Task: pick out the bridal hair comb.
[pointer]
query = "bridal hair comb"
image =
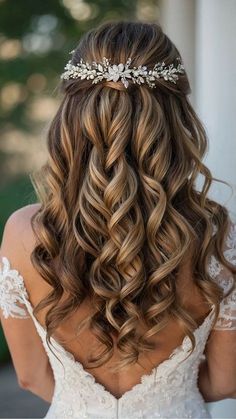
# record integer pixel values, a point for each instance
(138, 75)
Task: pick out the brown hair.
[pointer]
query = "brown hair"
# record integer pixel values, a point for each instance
(120, 208)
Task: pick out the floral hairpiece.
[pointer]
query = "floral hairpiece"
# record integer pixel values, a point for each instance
(103, 70)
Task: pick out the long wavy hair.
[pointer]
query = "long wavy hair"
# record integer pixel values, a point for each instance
(120, 210)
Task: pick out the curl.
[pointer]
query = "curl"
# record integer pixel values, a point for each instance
(120, 211)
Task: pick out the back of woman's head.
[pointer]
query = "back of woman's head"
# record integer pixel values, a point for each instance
(120, 210)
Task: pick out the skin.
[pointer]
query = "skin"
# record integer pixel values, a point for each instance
(217, 374)
(30, 360)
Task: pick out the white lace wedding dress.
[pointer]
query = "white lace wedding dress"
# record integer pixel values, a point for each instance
(169, 391)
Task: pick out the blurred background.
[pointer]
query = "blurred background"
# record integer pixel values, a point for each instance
(35, 40)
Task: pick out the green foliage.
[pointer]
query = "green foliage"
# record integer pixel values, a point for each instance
(15, 194)
(4, 353)
(45, 31)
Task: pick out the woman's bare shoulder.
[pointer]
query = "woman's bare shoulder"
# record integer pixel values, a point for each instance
(18, 238)
(24, 214)
(20, 220)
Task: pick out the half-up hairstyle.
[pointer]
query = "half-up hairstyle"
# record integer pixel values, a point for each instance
(119, 206)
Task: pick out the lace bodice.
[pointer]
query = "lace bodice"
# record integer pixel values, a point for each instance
(170, 390)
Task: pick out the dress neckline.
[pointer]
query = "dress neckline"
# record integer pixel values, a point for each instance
(146, 379)
(156, 372)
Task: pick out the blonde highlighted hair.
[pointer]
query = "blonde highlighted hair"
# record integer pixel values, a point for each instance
(119, 205)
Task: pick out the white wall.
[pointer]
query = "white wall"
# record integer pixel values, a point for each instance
(177, 18)
(216, 88)
(216, 105)
(205, 33)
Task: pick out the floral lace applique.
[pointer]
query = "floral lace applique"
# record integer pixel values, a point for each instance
(12, 292)
(214, 267)
(230, 253)
(223, 276)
